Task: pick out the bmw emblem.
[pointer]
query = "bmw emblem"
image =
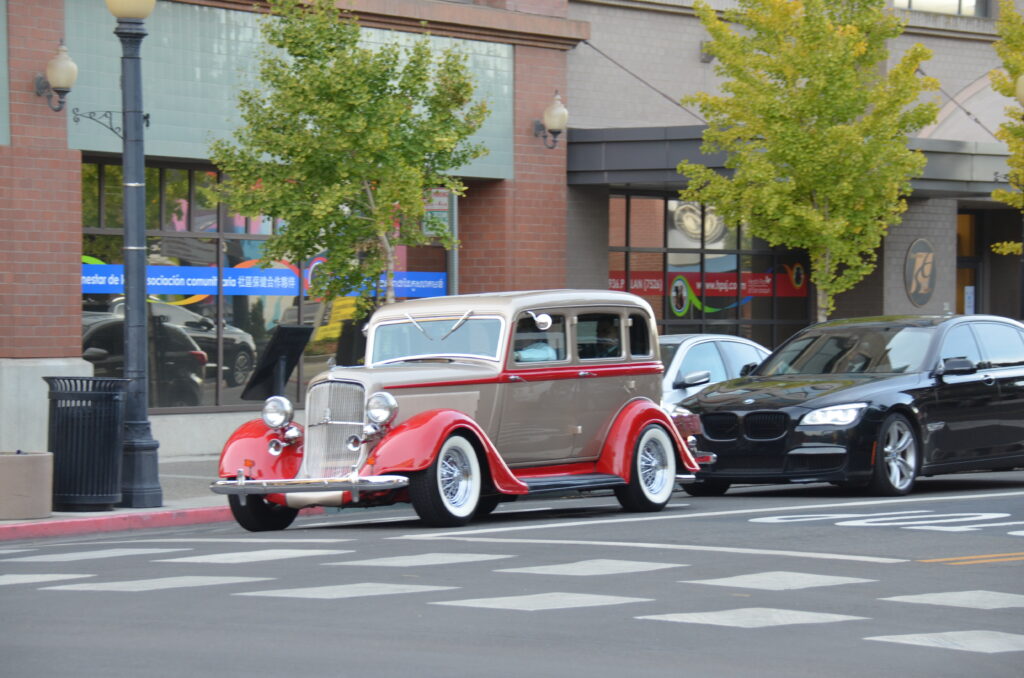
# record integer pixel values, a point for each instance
(748, 401)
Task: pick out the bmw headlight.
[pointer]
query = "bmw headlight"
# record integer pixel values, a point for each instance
(277, 412)
(835, 415)
(381, 408)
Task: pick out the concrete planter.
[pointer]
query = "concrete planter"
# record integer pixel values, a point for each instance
(26, 485)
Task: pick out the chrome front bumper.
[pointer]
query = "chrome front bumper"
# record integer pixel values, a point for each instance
(354, 484)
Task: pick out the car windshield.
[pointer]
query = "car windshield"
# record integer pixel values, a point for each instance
(419, 338)
(875, 349)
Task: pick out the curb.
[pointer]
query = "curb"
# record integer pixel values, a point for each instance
(115, 523)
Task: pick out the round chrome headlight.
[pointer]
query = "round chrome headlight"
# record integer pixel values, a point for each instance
(381, 408)
(277, 412)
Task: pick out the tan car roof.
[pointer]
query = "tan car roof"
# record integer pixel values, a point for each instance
(508, 304)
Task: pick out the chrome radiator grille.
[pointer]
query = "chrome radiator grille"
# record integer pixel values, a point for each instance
(334, 411)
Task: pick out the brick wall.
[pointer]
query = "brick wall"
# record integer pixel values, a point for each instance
(40, 200)
(513, 232)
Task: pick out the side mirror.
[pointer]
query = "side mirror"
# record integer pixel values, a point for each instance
(958, 366)
(693, 379)
(542, 321)
(747, 369)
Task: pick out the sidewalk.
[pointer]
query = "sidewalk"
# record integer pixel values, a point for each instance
(187, 500)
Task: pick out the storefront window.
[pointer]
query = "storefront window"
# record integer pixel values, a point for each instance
(961, 7)
(705, 276)
(212, 306)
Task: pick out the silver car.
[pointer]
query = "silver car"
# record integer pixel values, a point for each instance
(465, 402)
(693, 361)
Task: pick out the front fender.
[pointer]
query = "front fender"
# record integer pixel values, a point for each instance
(617, 452)
(248, 448)
(414, 444)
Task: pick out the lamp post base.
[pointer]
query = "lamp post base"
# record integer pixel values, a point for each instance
(140, 475)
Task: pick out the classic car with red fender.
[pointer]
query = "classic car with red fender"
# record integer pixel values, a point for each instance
(465, 402)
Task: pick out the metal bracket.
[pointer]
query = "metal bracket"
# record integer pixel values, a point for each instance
(105, 118)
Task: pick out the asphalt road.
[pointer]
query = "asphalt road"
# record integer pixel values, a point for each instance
(766, 581)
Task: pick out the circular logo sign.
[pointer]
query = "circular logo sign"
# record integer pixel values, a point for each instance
(919, 272)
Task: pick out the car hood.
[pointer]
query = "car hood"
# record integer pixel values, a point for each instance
(412, 374)
(805, 391)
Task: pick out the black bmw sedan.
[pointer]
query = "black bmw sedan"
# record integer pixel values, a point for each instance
(869, 402)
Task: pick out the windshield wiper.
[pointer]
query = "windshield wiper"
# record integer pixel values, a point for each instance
(417, 326)
(457, 325)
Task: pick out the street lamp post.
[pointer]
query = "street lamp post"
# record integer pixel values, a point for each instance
(140, 485)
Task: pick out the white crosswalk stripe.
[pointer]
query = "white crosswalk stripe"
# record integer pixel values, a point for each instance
(780, 581)
(88, 555)
(10, 579)
(346, 591)
(979, 600)
(544, 601)
(254, 556)
(596, 567)
(985, 642)
(752, 617)
(424, 559)
(158, 584)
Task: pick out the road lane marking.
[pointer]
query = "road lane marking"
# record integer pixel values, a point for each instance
(255, 556)
(672, 547)
(158, 584)
(88, 555)
(544, 601)
(595, 567)
(970, 560)
(424, 559)
(675, 514)
(346, 591)
(753, 617)
(987, 642)
(780, 581)
(8, 579)
(978, 600)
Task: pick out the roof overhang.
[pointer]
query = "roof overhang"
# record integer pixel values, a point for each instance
(644, 159)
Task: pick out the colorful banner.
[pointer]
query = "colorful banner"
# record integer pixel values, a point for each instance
(791, 283)
(246, 280)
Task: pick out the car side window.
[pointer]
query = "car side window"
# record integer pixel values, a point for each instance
(703, 356)
(598, 335)
(737, 355)
(1002, 345)
(639, 336)
(530, 344)
(959, 342)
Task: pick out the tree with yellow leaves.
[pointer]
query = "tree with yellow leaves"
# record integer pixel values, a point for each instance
(814, 122)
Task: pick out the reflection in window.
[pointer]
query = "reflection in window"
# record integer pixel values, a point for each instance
(961, 7)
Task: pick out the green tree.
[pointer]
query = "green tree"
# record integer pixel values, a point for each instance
(814, 126)
(343, 141)
(1010, 49)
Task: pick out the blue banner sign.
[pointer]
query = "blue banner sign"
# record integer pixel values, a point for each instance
(191, 280)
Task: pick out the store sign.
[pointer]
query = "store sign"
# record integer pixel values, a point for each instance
(193, 280)
(791, 283)
(919, 272)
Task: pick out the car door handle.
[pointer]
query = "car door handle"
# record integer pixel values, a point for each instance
(587, 374)
(988, 380)
(515, 377)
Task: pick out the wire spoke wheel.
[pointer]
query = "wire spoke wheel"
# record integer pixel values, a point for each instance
(653, 476)
(448, 492)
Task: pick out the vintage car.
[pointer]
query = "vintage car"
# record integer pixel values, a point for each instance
(465, 402)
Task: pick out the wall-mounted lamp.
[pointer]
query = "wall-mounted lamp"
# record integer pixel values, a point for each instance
(556, 116)
(61, 73)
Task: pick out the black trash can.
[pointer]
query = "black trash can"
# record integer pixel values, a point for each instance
(86, 437)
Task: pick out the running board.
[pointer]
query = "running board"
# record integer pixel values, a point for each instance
(583, 481)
